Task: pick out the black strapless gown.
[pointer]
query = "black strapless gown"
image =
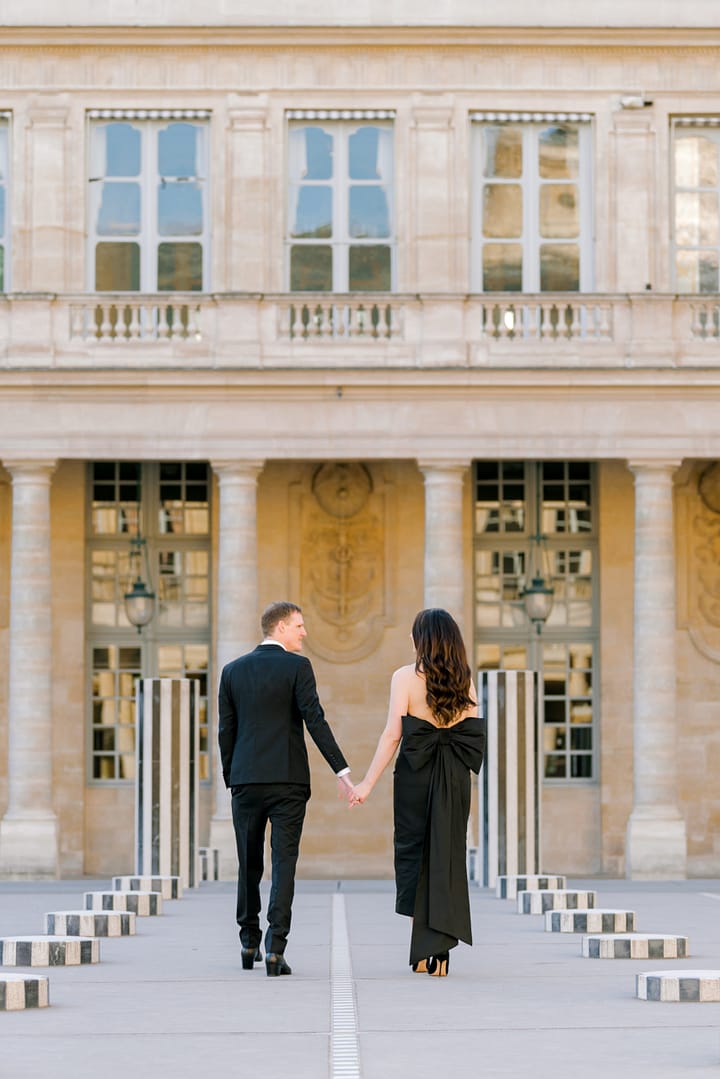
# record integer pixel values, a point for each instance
(431, 798)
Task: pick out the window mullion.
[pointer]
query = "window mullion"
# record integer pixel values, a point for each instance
(531, 217)
(341, 181)
(148, 232)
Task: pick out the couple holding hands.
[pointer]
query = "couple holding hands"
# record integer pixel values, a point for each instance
(269, 696)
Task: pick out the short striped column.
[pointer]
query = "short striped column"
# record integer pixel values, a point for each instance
(691, 986)
(590, 921)
(169, 887)
(209, 863)
(20, 991)
(508, 887)
(558, 899)
(635, 946)
(48, 951)
(87, 923)
(144, 904)
(509, 802)
(167, 778)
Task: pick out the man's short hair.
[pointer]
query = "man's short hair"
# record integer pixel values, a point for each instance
(276, 612)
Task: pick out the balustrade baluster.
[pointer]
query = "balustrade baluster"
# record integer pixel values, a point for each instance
(575, 328)
(164, 322)
(105, 322)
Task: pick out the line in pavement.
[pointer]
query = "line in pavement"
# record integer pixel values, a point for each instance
(344, 1049)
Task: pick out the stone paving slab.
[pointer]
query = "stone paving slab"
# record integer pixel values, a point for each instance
(520, 1002)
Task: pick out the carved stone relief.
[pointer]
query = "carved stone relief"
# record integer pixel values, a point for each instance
(699, 553)
(340, 513)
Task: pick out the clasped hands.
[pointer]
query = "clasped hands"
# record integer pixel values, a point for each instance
(353, 795)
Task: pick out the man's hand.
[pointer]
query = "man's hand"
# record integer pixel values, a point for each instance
(345, 788)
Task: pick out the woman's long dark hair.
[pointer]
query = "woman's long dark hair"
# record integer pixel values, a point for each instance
(442, 659)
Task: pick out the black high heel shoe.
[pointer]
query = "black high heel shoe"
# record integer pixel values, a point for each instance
(439, 965)
(420, 967)
(250, 956)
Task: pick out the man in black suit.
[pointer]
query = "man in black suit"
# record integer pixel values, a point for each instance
(265, 698)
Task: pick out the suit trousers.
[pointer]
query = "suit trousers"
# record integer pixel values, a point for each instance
(253, 805)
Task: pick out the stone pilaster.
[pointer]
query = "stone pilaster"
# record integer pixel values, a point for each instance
(445, 583)
(48, 134)
(248, 198)
(238, 628)
(656, 838)
(434, 267)
(28, 831)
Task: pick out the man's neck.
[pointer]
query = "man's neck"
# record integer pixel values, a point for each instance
(273, 640)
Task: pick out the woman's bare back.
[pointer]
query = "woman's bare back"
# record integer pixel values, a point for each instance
(417, 705)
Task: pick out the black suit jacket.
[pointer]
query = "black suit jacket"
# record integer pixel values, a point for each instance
(265, 698)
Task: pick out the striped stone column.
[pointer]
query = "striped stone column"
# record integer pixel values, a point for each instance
(509, 802)
(28, 831)
(445, 582)
(656, 844)
(167, 781)
(238, 627)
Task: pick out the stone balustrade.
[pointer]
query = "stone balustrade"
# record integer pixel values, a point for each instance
(331, 330)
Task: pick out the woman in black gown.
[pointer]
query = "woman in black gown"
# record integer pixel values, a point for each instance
(433, 718)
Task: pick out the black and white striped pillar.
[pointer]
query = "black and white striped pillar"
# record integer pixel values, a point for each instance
(509, 802)
(166, 785)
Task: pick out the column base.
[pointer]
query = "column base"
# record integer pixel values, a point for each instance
(29, 848)
(222, 837)
(656, 845)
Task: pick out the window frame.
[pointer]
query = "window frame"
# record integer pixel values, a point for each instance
(690, 124)
(149, 123)
(523, 635)
(154, 636)
(6, 234)
(341, 127)
(531, 124)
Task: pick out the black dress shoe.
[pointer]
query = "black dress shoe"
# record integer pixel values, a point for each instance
(276, 965)
(251, 956)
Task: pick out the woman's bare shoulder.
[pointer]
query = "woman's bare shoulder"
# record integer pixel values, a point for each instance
(404, 674)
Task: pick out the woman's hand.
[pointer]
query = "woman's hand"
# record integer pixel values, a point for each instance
(360, 793)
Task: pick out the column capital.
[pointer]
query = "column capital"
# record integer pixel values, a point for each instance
(435, 467)
(229, 470)
(26, 468)
(645, 465)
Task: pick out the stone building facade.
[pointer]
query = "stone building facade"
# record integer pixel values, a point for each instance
(374, 312)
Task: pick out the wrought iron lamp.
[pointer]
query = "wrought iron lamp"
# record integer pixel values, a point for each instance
(538, 596)
(139, 601)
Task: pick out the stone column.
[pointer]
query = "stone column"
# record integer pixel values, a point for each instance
(445, 580)
(656, 839)
(28, 831)
(238, 628)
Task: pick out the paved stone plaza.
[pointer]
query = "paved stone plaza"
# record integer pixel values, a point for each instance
(174, 1000)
